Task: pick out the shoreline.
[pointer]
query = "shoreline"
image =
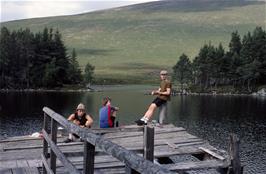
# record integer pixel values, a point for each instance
(101, 88)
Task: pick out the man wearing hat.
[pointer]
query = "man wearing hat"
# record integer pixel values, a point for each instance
(163, 95)
(80, 118)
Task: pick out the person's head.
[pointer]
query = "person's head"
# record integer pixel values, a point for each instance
(106, 101)
(163, 74)
(80, 109)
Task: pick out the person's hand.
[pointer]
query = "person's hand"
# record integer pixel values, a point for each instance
(155, 92)
(116, 108)
(76, 122)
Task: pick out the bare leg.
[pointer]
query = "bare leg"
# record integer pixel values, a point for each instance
(150, 111)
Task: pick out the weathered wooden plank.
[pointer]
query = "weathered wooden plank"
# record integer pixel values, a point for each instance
(53, 141)
(148, 143)
(60, 155)
(31, 170)
(26, 141)
(176, 146)
(136, 143)
(165, 151)
(212, 153)
(192, 149)
(6, 171)
(21, 147)
(234, 154)
(45, 143)
(185, 166)
(20, 138)
(16, 155)
(22, 163)
(89, 154)
(162, 151)
(111, 171)
(116, 129)
(8, 164)
(18, 171)
(135, 134)
(35, 163)
(172, 135)
(179, 166)
(46, 166)
(175, 131)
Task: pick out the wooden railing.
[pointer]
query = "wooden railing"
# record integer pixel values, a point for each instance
(133, 162)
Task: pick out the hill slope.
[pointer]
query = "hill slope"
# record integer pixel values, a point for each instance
(129, 43)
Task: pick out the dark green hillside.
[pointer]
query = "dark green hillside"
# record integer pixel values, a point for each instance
(133, 42)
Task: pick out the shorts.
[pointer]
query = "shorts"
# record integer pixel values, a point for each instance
(158, 101)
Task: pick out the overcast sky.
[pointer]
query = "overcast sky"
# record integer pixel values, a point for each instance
(23, 9)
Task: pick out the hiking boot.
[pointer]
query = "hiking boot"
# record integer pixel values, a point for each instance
(67, 140)
(140, 122)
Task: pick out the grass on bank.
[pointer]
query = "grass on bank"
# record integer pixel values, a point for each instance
(131, 44)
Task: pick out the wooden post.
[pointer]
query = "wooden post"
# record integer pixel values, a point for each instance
(54, 139)
(148, 143)
(148, 146)
(130, 171)
(234, 154)
(45, 144)
(88, 162)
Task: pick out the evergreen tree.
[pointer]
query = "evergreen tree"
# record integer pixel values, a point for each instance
(59, 53)
(183, 70)
(204, 66)
(42, 58)
(5, 49)
(235, 43)
(259, 49)
(253, 55)
(88, 73)
(50, 76)
(74, 72)
(219, 65)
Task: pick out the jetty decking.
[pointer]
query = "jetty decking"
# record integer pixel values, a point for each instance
(174, 149)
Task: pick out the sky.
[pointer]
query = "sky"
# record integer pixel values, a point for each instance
(24, 9)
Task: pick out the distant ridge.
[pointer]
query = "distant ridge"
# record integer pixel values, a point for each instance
(131, 44)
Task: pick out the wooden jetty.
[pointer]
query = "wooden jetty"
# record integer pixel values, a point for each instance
(126, 149)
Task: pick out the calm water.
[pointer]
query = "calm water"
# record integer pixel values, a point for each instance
(209, 117)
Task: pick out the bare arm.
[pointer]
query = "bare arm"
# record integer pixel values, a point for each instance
(167, 92)
(71, 117)
(89, 121)
(155, 92)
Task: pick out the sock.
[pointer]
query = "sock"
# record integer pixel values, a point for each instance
(144, 119)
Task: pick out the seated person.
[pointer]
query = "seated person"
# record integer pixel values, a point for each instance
(107, 113)
(79, 118)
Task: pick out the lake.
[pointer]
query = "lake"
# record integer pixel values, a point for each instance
(208, 117)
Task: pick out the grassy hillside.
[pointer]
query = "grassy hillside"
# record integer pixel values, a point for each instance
(133, 43)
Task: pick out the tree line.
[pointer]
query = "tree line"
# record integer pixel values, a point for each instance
(39, 60)
(243, 66)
